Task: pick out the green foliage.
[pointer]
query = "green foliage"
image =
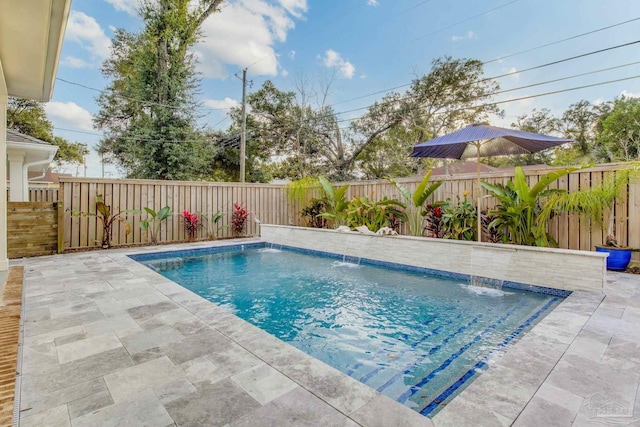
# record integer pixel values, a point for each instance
(459, 221)
(148, 111)
(416, 201)
(212, 227)
(312, 214)
(152, 225)
(103, 212)
(519, 208)
(620, 137)
(29, 117)
(335, 201)
(595, 203)
(299, 191)
(375, 214)
(69, 152)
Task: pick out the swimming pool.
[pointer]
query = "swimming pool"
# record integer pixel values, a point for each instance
(416, 338)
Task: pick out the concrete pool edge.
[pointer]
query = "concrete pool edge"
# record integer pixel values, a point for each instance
(357, 401)
(518, 264)
(490, 396)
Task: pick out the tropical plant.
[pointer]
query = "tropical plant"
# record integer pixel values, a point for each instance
(103, 212)
(299, 191)
(212, 226)
(312, 214)
(152, 225)
(491, 232)
(375, 214)
(335, 200)
(459, 221)
(239, 219)
(415, 202)
(433, 220)
(191, 224)
(596, 204)
(520, 205)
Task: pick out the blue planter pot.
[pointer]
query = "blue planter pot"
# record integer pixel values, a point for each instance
(618, 258)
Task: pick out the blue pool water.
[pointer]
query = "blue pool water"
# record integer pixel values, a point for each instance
(416, 338)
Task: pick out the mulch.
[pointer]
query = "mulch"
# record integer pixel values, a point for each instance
(10, 306)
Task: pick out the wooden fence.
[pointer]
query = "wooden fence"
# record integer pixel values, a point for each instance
(33, 229)
(38, 194)
(270, 204)
(266, 203)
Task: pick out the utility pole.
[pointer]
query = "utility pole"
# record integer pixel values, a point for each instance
(243, 134)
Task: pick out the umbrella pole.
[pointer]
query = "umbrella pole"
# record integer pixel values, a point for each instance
(479, 220)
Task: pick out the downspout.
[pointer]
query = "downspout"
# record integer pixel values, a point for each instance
(26, 166)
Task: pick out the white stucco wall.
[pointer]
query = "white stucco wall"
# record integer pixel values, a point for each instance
(555, 268)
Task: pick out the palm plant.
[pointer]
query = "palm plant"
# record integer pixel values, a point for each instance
(415, 202)
(595, 203)
(335, 201)
(520, 206)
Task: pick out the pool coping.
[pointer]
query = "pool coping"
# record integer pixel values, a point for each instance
(361, 403)
(491, 365)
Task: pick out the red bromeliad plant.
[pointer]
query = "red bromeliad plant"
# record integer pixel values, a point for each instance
(239, 219)
(190, 224)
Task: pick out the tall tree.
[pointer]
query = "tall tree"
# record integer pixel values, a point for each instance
(29, 117)
(538, 121)
(148, 111)
(452, 95)
(619, 138)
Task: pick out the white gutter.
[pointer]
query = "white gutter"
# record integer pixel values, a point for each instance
(46, 162)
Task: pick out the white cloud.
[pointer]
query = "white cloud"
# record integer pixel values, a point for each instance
(470, 35)
(73, 62)
(284, 73)
(69, 114)
(221, 103)
(372, 2)
(333, 59)
(128, 6)
(628, 94)
(295, 7)
(513, 73)
(244, 34)
(86, 31)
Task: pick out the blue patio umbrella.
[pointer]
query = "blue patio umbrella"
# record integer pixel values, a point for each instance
(480, 140)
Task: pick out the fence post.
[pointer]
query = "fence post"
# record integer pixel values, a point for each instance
(60, 205)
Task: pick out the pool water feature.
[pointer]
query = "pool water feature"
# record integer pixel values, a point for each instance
(415, 337)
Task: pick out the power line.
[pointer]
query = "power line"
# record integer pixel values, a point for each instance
(608, 27)
(463, 21)
(526, 97)
(132, 138)
(137, 99)
(460, 109)
(512, 73)
(500, 58)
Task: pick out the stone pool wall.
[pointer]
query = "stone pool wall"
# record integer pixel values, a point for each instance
(555, 268)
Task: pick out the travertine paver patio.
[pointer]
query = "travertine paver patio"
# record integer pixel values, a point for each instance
(109, 342)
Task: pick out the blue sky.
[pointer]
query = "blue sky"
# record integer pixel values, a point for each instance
(362, 47)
